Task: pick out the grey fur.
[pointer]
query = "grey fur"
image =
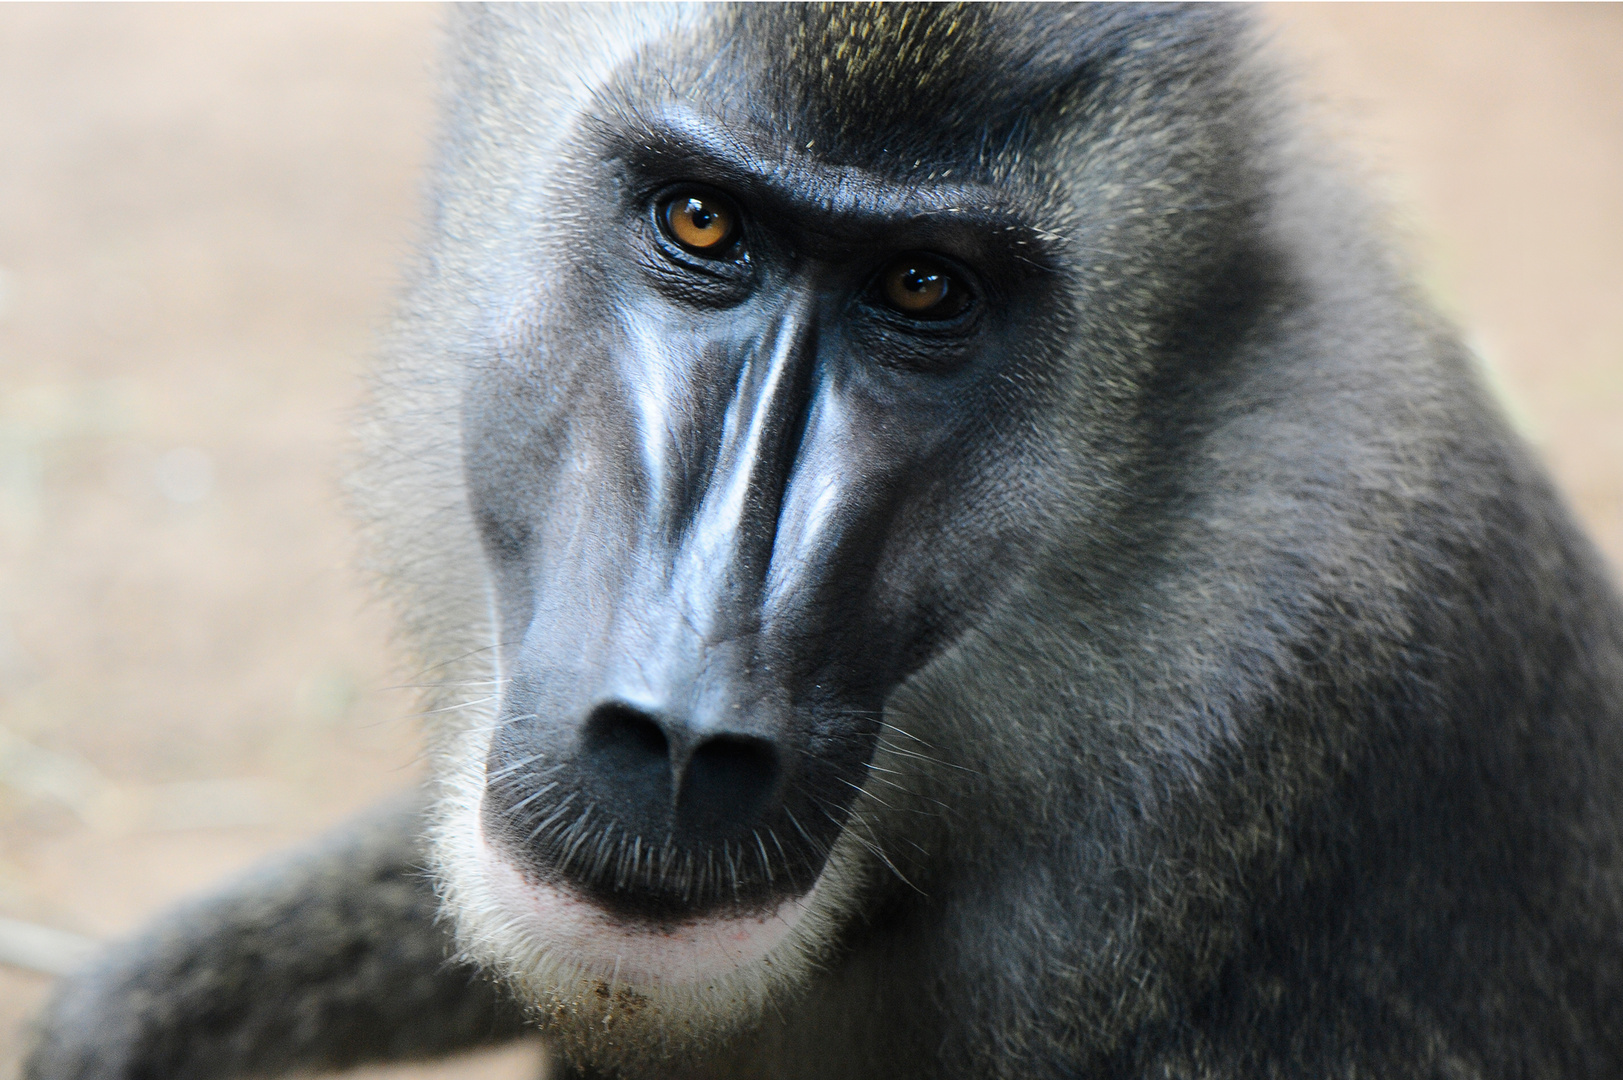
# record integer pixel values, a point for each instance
(321, 961)
(1273, 730)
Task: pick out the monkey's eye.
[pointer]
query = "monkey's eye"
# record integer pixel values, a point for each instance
(700, 222)
(922, 287)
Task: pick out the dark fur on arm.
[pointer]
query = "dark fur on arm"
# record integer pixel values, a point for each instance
(325, 960)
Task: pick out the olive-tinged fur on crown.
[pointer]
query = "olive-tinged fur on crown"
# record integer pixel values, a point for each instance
(1279, 735)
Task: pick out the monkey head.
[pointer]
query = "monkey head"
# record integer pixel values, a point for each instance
(781, 356)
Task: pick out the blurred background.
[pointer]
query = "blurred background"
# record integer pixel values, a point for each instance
(200, 212)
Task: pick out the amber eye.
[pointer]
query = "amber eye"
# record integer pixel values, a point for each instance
(703, 224)
(923, 288)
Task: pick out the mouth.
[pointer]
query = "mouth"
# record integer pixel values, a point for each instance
(626, 950)
(649, 833)
(600, 955)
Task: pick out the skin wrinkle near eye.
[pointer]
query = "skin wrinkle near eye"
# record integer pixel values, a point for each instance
(955, 314)
(1007, 250)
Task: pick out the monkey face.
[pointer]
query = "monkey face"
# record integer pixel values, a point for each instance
(742, 462)
(771, 401)
(759, 486)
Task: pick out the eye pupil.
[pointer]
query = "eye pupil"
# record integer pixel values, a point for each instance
(921, 281)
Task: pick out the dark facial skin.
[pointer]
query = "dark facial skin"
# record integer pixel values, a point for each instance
(714, 491)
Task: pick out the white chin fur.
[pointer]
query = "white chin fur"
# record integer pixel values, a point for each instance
(630, 953)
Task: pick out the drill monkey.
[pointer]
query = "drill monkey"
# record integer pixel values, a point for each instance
(950, 550)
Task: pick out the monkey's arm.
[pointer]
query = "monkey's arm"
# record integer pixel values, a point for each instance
(325, 960)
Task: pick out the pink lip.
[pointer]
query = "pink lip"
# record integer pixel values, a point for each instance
(580, 932)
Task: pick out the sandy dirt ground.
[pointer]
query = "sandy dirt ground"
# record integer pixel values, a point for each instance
(200, 210)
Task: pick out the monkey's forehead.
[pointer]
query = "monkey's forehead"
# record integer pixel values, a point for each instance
(886, 87)
(954, 78)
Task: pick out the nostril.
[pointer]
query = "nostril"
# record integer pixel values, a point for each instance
(628, 745)
(728, 782)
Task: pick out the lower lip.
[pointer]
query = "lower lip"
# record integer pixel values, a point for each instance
(577, 931)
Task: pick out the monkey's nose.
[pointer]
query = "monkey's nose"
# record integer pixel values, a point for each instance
(661, 773)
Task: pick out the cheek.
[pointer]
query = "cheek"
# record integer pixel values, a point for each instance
(571, 930)
(947, 543)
